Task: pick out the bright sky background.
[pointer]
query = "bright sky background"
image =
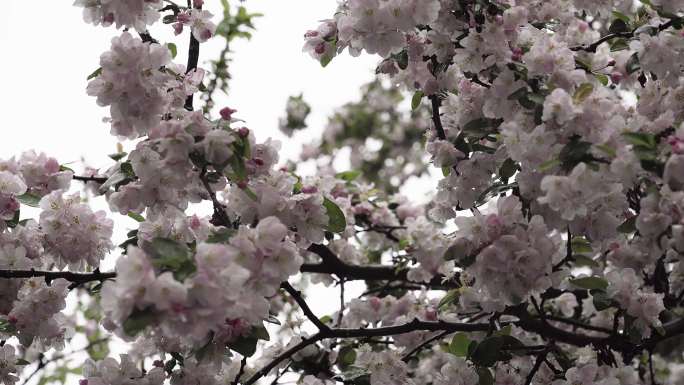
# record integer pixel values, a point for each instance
(48, 51)
(45, 64)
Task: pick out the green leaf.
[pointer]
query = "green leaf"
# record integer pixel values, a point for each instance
(337, 223)
(549, 164)
(446, 171)
(21, 362)
(590, 283)
(245, 345)
(174, 50)
(485, 376)
(95, 73)
(346, 357)
(325, 60)
(29, 200)
(12, 223)
(621, 16)
(6, 326)
(136, 216)
(618, 26)
(508, 169)
(633, 64)
(628, 226)
(641, 139)
(493, 191)
(348, 176)
(603, 79)
(169, 253)
(416, 99)
(127, 170)
(450, 297)
(221, 235)
(118, 156)
(261, 333)
(138, 320)
(459, 345)
(582, 92)
(478, 127)
(601, 300)
(580, 245)
(488, 351)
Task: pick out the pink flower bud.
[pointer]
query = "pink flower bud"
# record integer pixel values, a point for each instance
(227, 113)
(310, 190)
(583, 26)
(243, 132)
(197, 3)
(183, 18)
(320, 48)
(83, 381)
(616, 77)
(242, 184)
(375, 303)
(310, 34)
(108, 19)
(431, 315)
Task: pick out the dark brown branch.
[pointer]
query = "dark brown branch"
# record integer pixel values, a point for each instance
(220, 217)
(409, 327)
(627, 35)
(436, 118)
(537, 364)
(425, 343)
(579, 324)
(297, 296)
(193, 59)
(95, 179)
(331, 264)
(283, 356)
(49, 276)
(243, 363)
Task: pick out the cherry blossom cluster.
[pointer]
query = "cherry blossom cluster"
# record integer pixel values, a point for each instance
(549, 253)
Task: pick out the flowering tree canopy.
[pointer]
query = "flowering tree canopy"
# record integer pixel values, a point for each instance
(551, 250)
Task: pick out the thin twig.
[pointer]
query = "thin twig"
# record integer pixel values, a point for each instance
(297, 296)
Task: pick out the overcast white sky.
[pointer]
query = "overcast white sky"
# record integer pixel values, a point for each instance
(47, 53)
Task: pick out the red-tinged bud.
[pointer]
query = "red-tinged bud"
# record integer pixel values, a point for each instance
(227, 113)
(310, 190)
(616, 77)
(243, 132)
(242, 184)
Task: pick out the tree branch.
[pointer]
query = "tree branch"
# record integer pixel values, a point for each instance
(331, 264)
(436, 118)
(95, 179)
(193, 59)
(49, 276)
(593, 46)
(297, 296)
